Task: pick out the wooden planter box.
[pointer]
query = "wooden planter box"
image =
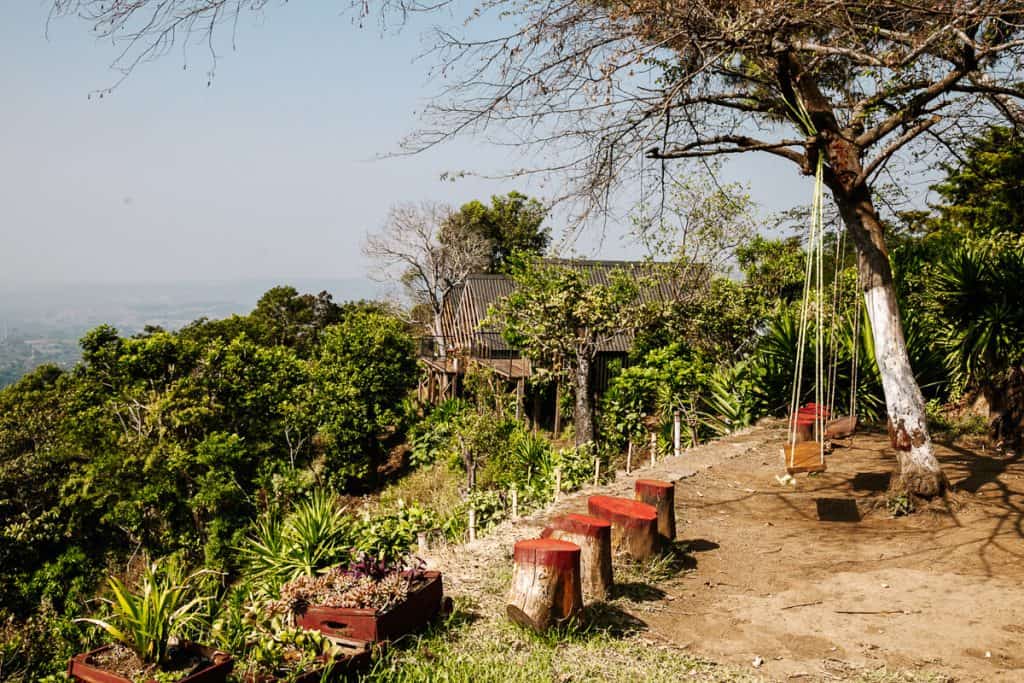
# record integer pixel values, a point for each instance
(355, 658)
(82, 668)
(422, 605)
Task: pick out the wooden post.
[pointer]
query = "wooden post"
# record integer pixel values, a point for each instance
(661, 495)
(654, 447)
(634, 524)
(519, 399)
(546, 587)
(629, 456)
(676, 427)
(535, 400)
(597, 469)
(515, 503)
(472, 524)
(558, 406)
(594, 537)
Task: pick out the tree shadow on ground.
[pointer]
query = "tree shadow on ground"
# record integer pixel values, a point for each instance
(636, 591)
(603, 617)
(698, 545)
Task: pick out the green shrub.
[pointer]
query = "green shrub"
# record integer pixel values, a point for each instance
(433, 438)
(165, 604)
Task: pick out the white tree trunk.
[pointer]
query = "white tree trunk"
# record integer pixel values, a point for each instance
(903, 400)
(920, 472)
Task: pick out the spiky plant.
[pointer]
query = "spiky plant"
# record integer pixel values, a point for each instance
(313, 537)
(164, 605)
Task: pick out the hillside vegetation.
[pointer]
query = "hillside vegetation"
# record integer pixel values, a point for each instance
(243, 445)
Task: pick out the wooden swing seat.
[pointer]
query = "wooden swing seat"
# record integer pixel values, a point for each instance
(805, 456)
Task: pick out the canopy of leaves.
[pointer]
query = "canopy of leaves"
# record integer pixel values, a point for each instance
(175, 441)
(512, 223)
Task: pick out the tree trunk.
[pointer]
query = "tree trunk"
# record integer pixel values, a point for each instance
(920, 472)
(583, 411)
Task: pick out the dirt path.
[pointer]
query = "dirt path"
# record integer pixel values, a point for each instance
(818, 579)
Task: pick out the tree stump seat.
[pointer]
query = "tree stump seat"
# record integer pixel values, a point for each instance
(634, 524)
(662, 496)
(594, 537)
(805, 420)
(545, 583)
(841, 427)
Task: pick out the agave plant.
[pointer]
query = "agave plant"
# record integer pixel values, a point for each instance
(976, 292)
(164, 605)
(313, 537)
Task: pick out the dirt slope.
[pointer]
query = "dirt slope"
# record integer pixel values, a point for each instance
(819, 579)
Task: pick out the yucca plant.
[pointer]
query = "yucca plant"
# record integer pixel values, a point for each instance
(313, 537)
(164, 605)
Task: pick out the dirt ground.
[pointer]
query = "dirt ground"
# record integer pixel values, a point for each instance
(819, 580)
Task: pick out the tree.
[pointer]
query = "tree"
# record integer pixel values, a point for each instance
(837, 86)
(557, 315)
(283, 317)
(511, 223)
(365, 368)
(984, 192)
(411, 247)
(850, 84)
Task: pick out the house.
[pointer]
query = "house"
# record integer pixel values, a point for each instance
(464, 341)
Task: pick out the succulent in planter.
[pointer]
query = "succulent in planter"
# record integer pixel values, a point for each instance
(148, 626)
(276, 651)
(368, 600)
(365, 584)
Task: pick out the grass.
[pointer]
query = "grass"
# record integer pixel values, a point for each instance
(471, 647)
(436, 487)
(476, 644)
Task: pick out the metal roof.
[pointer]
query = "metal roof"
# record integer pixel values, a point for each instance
(467, 305)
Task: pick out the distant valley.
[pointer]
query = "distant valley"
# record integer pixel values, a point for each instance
(42, 323)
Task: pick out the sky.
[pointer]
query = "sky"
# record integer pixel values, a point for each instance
(270, 171)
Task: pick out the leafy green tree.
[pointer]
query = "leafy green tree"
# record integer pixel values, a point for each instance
(559, 318)
(977, 301)
(284, 317)
(511, 223)
(366, 366)
(984, 192)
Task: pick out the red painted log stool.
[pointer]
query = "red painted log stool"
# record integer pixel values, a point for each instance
(594, 537)
(634, 524)
(662, 495)
(545, 583)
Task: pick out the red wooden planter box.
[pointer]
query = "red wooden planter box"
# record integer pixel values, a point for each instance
(355, 658)
(81, 667)
(419, 608)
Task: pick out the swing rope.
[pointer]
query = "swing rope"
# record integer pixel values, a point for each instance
(833, 339)
(812, 274)
(855, 369)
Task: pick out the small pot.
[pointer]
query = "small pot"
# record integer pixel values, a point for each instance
(82, 667)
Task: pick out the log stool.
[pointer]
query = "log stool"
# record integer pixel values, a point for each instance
(662, 495)
(545, 583)
(634, 524)
(841, 427)
(594, 537)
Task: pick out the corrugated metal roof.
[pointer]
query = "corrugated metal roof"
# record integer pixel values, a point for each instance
(467, 307)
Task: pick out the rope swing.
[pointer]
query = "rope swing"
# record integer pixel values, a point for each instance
(803, 454)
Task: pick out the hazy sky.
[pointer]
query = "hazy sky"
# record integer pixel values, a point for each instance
(267, 173)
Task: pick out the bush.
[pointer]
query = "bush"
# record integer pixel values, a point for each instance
(433, 438)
